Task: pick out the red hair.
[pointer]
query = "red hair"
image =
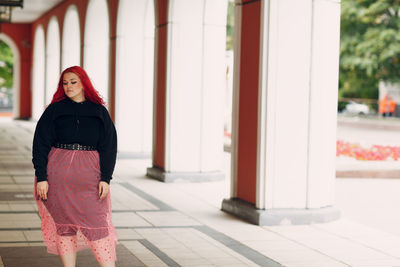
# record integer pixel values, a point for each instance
(90, 93)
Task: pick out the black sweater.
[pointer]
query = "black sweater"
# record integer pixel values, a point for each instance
(70, 122)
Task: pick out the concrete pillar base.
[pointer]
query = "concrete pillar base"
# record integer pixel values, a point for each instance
(168, 177)
(248, 212)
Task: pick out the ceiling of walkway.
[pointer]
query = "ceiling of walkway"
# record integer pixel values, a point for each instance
(32, 10)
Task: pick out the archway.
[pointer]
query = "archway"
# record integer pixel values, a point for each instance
(16, 74)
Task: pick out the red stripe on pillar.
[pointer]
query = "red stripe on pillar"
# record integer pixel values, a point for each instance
(160, 82)
(113, 12)
(248, 101)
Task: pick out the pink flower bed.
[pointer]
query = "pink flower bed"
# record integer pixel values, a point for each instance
(375, 152)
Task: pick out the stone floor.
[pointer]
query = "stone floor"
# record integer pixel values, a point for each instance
(177, 224)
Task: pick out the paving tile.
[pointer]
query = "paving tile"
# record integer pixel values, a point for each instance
(37, 244)
(32, 262)
(10, 236)
(5, 207)
(18, 217)
(37, 256)
(362, 253)
(228, 262)
(143, 254)
(154, 263)
(212, 252)
(193, 262)
(10, 188)
(180, 253)
(252, 233)
(23, 179)
(329, 263)
(6, 179)
(10, 245)
(128, 219)
(20, 224)
(128, 234)
(122, 195)
(262, 245)
(300, 232)
(182, 244)
(304, 255)
(22, 207)
(168, 218)
(33, 235)
(376, 263)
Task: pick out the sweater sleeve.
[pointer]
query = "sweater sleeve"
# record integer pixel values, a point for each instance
(43, 139)
(107, 147)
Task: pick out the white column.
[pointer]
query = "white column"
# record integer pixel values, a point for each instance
(52, 59)
(96, 46)
(71, 41)
(297, 109)
(323, 103)
(134, 77)
(38, 74)
(195, 87)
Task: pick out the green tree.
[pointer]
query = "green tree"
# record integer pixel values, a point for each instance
(6, 65)
(370, 46)
(229, 25)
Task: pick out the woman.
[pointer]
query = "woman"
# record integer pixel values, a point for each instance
(74, 152)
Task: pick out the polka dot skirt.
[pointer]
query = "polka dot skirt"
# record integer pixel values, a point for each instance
(73, 216)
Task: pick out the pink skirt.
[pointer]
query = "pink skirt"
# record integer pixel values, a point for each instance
(73, 216)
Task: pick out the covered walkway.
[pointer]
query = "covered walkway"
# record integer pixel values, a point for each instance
(176, 224)
(160, 66)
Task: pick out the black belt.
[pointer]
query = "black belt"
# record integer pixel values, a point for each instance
(74, 147)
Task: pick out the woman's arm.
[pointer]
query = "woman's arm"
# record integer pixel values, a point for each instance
(43, 139)
(107, 147)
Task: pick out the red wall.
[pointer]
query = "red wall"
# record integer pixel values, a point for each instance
(248, 99)
(21, 34)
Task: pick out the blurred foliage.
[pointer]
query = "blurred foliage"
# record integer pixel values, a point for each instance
(229, 25)
(6, 66)
(370, 46)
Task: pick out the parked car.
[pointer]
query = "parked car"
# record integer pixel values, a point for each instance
(354, 108)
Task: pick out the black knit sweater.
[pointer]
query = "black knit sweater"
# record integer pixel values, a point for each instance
(69, 122)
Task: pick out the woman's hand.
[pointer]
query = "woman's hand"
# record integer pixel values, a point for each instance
(41, 189)
(103, 189)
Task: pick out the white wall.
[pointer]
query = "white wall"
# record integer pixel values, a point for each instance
(134, 75)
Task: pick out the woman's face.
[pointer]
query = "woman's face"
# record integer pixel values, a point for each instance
(73, 87)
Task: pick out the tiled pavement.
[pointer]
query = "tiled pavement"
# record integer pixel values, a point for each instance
(177, 224)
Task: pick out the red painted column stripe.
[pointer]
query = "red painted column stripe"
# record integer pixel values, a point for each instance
(160, 82)
(248, 101)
